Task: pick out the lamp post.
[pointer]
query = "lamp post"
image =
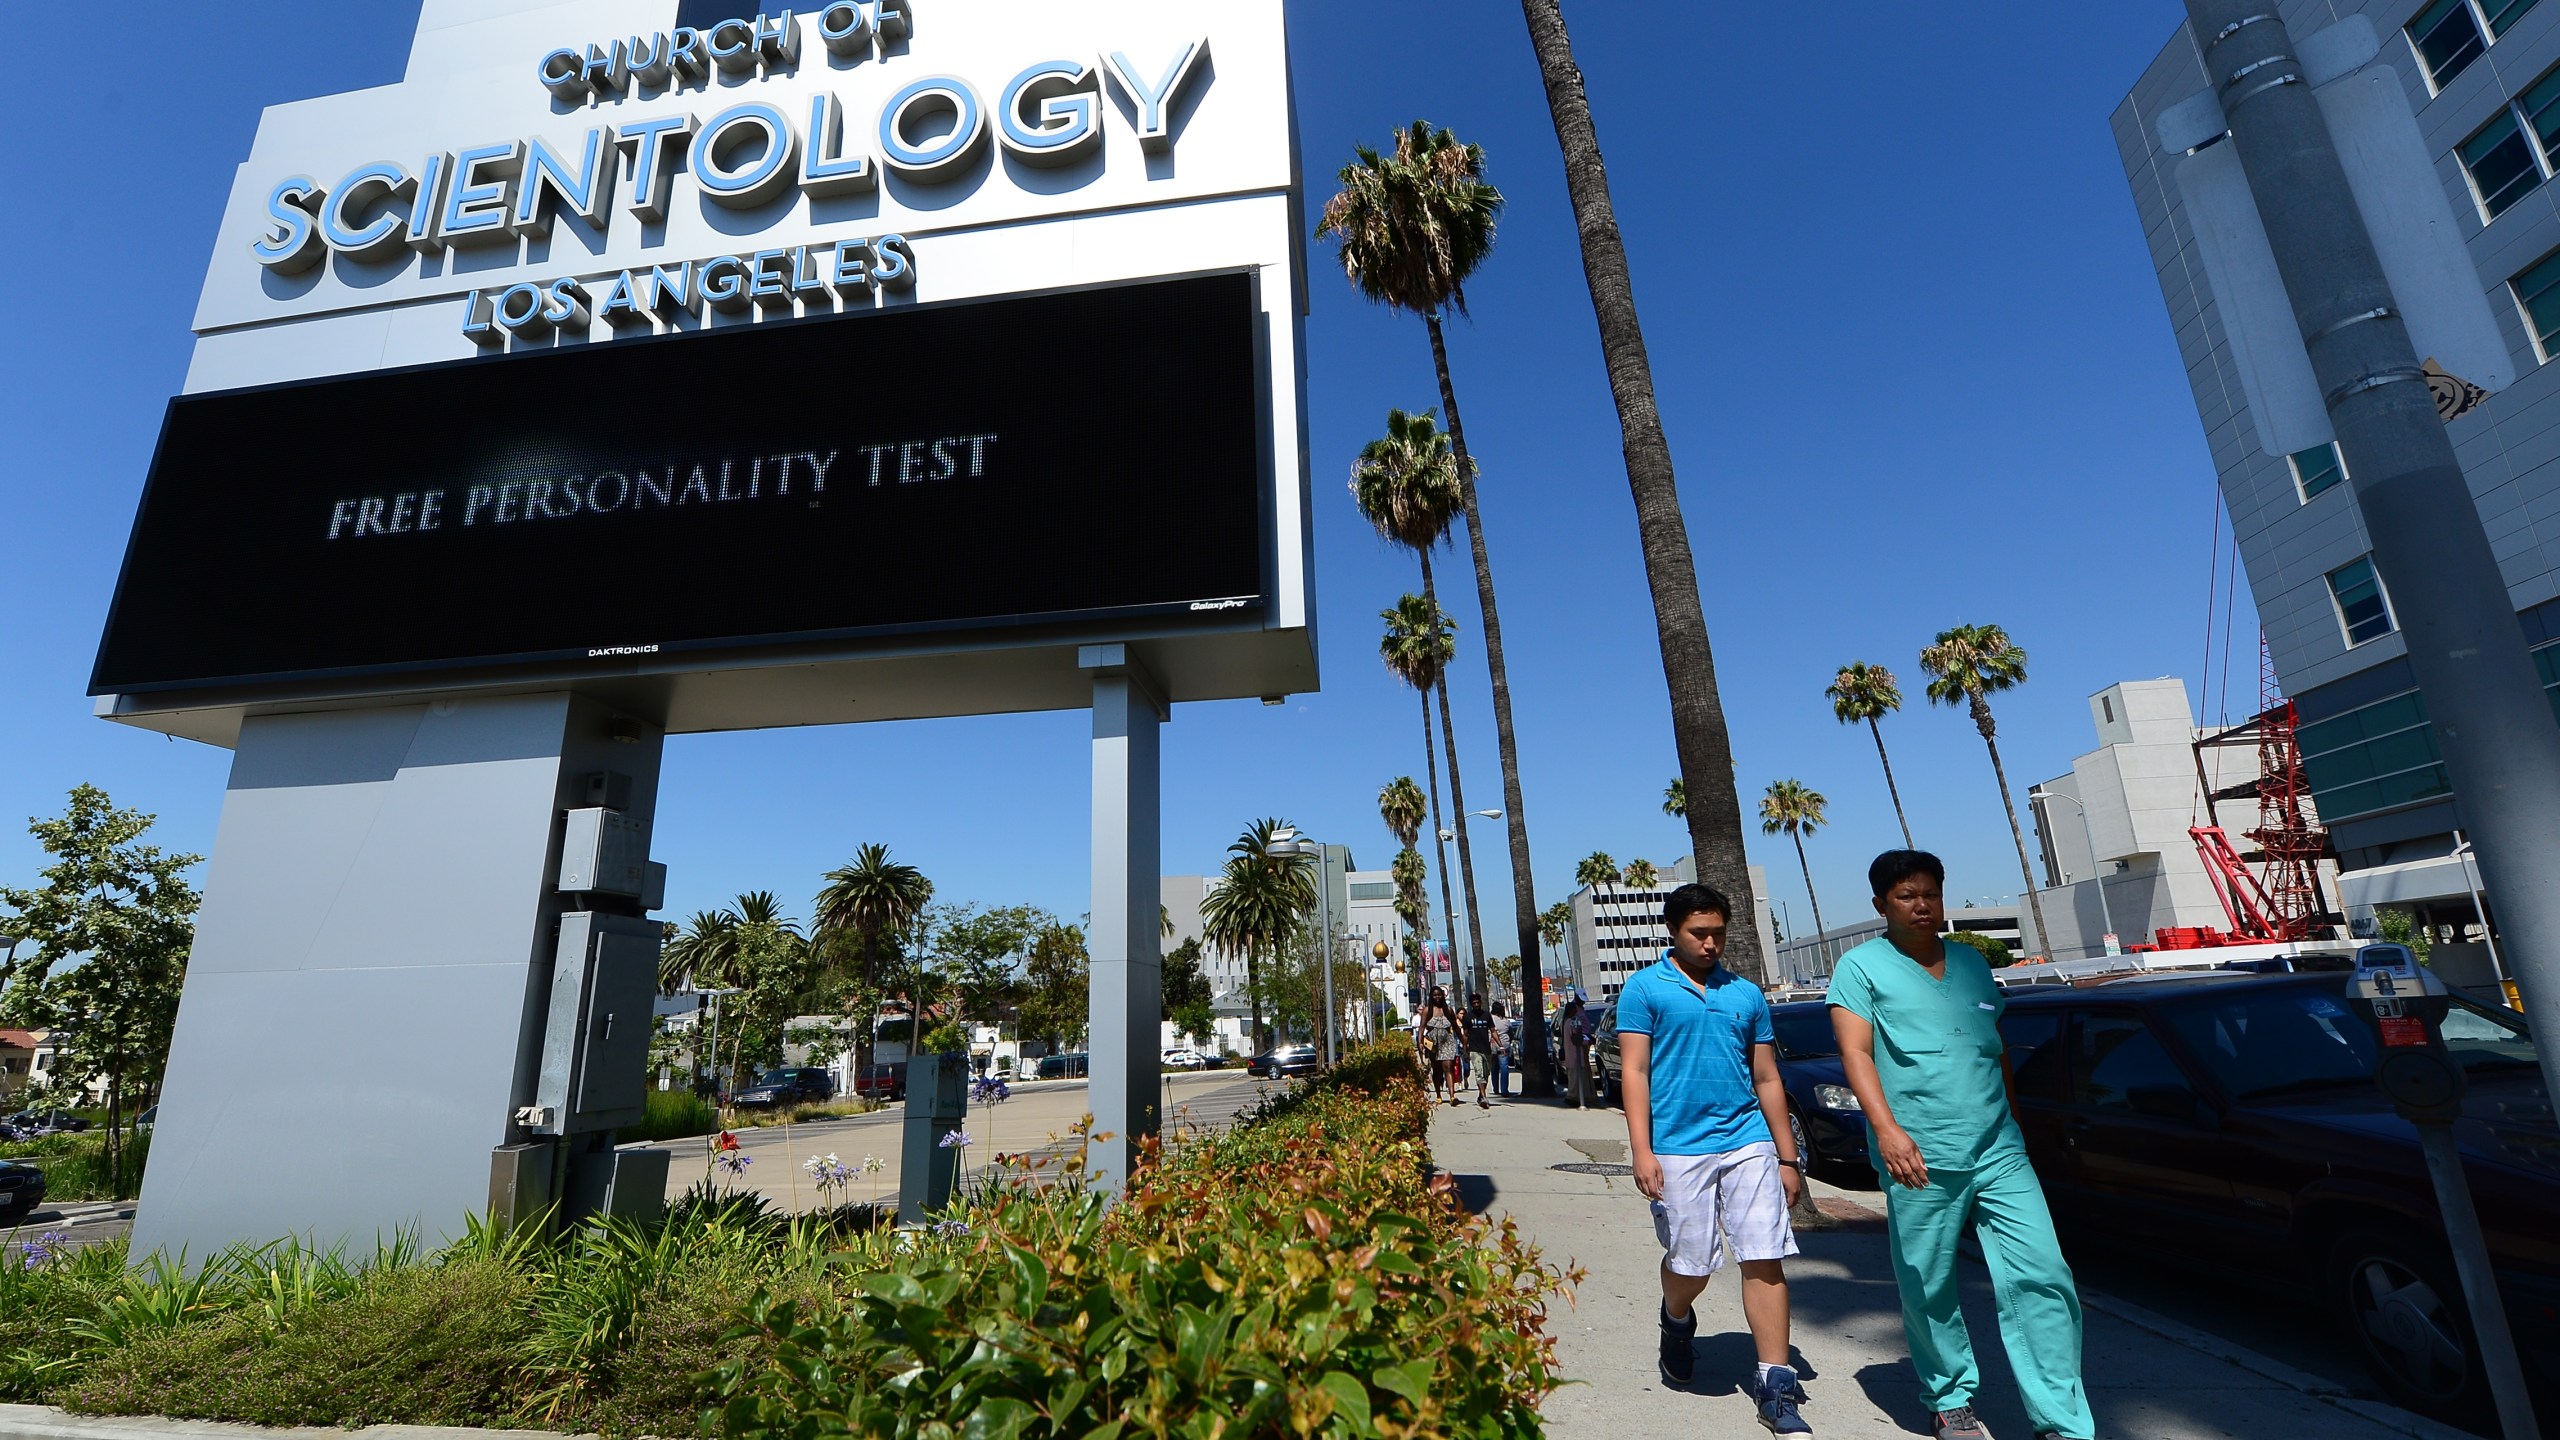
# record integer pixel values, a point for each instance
(716, 1094)
(1287, 841)
(2090, 838)
(2471, 882)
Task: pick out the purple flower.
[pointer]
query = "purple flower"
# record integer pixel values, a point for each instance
(733, 1162)
(952, 1227)
(958, 1138)
(43, 1249)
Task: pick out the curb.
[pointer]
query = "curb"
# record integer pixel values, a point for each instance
(43, 1422)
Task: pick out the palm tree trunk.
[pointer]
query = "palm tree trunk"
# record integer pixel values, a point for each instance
(1458, 809)
(1524, 895)
(1439, 847)
(1807, 868)
(1688, 661)
(1889, 787)
(2026, 873)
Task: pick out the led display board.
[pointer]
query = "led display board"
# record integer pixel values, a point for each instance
(753, 489)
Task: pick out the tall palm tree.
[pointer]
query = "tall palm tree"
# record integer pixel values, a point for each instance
(701, 956)
(1417, 646)
(1791, 810)
(1640, 875)
(1412, 227)
(870, 905)
(1869, 692)
(1968, 664)
(1403, 809)
(1598, 871)
(1553, 922)
(1688, 660)
(1406, 484)
(1261, 900)
(1675, 799)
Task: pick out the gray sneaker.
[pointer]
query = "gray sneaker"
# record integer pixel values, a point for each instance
(1958, 1424)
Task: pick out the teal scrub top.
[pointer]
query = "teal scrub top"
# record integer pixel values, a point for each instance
(1937, 1050)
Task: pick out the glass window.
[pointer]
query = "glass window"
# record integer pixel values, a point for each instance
(2503, 14)
(1804, 1034)
(2447, 37)
(2033, 1057)
(2317, 469)
(2116, 1055)
(2541, 108)
(2260, 1043)
(2501, 162)
(2537, 293)
(2361, 606)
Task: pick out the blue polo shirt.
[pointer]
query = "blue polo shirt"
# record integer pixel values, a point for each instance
(1700, 1058)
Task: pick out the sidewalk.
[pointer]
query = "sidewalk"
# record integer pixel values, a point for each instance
(2148, 1379)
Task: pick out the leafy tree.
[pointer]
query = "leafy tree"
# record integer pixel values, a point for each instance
(108, 936)
(1260, 903)
(1688, 660)
(1967, 665)
(1598, 871)
(1056, 986)
(1640, 875)
(1553, 922)
(2397, 925)
(1188, 999)
(978, 954)
(778, 975)
(1675, 799)
(1996, 952)
(1505, 970)
(1401, 807)
(702, 955)
(1869, 692)
(1417, 646)
(1412, 227)
(1412, 906)
(1791, 810)
(866, 914)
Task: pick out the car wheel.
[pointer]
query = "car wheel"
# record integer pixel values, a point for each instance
(2403, 1309)
(1804, 1145)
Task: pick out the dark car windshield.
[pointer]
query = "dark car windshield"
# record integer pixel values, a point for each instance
(1804, 1033)
(2260, 1042)
(777, 1077)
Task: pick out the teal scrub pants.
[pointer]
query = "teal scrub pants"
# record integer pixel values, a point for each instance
(2003, 1207)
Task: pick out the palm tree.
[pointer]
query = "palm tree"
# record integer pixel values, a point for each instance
(1401, 806)
(1869, 692)
(1966, 665)
(1640, 875)
(1553, 922)
(1790, 809)
(1259, 903)
(1417, 646)
(1688, 659)
(1598, 871)
(1412, 227)
(1675, 799)
(701, 955)
(870, 904)
(1406, 484)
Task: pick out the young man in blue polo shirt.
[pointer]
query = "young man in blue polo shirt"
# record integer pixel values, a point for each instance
(1706, 1118)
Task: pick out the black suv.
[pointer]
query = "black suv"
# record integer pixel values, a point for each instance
(21, 1190)
(2232, 1120)
(791, 1085)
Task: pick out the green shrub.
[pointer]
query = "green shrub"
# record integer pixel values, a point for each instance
(75, 1166)
(673, 1115)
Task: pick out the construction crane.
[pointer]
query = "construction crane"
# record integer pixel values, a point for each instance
(2282, 901)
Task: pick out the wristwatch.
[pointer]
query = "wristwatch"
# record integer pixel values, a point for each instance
(1796, 1164)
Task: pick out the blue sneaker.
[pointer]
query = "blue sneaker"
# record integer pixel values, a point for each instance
(1679, 1361)
(1777, 1399)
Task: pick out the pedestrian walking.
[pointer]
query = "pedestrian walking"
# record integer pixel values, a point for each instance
(1480, 1032)
(1918, 1019)
(1707, 1122)
(1577, 1055)
(1440, 1053)
(1506, 1041)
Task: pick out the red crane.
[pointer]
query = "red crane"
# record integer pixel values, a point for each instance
(2282, 901)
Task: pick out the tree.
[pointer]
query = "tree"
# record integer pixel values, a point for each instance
(1416, 647)
(977, 954)
(1188, 1000)
(1869, 692)
(1688, 659)
(778, 975)
(1553, 922)
(1791, 810)
(701, 956)
(1411, 228)
(865, 914)
(108, 935)
(1598, 871)
(1967, 665)
(1505, 970)
(1401, 806)
(1258, 906)
(1995, 953)
(1056, 986)
(1640, 875)
(1675, 799)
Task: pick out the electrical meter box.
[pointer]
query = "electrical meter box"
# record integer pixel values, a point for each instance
(595, 1048)
(604, 852)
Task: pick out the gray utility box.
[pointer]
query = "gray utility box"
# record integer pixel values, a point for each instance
(604, 852)
(619, 1185)
(595, 1050)
(937, 1103)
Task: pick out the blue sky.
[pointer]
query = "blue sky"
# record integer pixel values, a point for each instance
(1910, 352)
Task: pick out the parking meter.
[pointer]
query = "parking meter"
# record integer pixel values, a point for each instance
(2407, 1004)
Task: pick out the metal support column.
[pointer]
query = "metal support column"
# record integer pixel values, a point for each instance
(2466, 649)
(1127, 985)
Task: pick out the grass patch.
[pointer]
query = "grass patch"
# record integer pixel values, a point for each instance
(673, 1115)
(75, 1166)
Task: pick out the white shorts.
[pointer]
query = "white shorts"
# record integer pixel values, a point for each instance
(1712, 1204)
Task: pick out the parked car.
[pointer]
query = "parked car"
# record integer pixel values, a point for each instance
(2231, 1121)
(32, 1123)
(885, 1082)
(1183, 1057)
(1284, 1061)
(21, 1190)
(1831, 1129)
(1065, 1067)
(790, 1085)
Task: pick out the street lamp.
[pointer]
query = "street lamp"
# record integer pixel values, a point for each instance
(2089, 837)
(716, 1091)
(2470, 881)
(1287, 841)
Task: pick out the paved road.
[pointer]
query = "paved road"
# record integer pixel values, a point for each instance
(2148, 1375)
(86, 1222)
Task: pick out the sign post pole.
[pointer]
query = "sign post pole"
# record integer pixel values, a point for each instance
(1127, 952)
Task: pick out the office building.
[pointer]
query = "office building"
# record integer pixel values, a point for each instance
(1808, 962)
(1617, 929)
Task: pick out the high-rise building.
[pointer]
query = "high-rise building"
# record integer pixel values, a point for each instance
(1617, 929)
(2483, 77)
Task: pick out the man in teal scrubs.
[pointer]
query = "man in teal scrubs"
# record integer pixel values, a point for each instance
(1919, 1027)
